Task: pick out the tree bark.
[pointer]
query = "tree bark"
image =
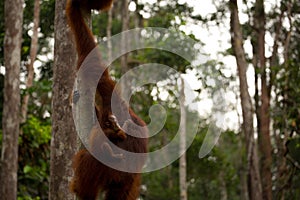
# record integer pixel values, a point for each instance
(108, 33)
(124, 43)
(138, 22)
(264, 134)
(63, 143)
(223, 187)
(33, 53)
(242, 164)
(11, 105)
(182, 145)
(255, 191)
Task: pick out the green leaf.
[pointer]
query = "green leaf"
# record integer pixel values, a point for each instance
(27, 169)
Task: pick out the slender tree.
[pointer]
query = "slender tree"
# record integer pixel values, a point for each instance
(11, 106)
(33, 53)
(108, 33)
(255, 190)
(264, 109)
(182, 143)
(124, 44)
(63, 143)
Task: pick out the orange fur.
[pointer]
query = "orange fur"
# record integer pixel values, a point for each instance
(90, 175)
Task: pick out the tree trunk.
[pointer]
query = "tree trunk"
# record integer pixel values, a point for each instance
(242, 164)
(124, 44)
(182, 144)
(11, 105)
(264, 134)
(223, 187)
(33, 53)
(63, 142)
(243, 171)
(108, 33)
(244, 186)
(255, 191)
(138, 22)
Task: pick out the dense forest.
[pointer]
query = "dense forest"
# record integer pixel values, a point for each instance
(229, 89)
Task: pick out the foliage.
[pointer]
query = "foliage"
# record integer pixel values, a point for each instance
(207, 174)
(285, 114)
(40, 98)
(34, 156)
